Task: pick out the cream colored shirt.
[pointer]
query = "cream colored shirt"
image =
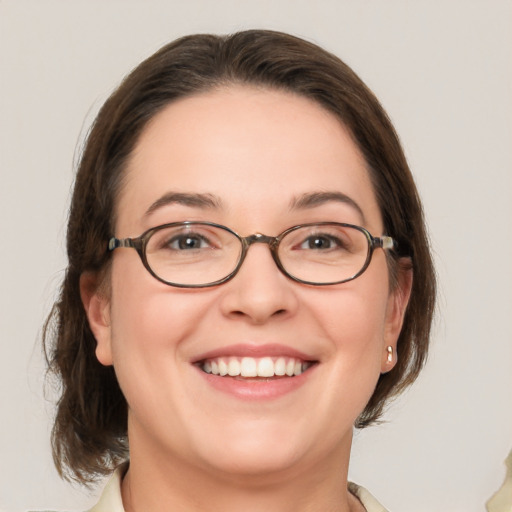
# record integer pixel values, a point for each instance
(502, 499)
(111, 500)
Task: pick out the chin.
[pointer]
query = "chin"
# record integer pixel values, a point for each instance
(255, 461)
(263, 448)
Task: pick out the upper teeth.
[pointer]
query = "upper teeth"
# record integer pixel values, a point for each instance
(254, 367)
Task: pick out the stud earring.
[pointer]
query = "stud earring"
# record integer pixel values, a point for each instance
(390, 354)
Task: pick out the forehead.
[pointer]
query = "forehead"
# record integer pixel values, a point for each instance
(255, 149)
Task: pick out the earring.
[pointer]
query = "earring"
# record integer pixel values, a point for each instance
(390, 354)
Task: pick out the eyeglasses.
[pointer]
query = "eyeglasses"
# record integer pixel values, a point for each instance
(202, 254)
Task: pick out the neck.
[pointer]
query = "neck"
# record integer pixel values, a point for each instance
(155, 483)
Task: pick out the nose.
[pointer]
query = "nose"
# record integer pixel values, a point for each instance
(260, 291)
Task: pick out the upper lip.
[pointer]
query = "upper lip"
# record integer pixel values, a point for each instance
(254, 350)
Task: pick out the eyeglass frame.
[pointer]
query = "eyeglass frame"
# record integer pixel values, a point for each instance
(139, 243)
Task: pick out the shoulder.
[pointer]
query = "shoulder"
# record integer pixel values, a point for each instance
(111, 500)
(364, 496)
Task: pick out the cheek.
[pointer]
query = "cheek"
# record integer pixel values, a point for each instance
(149, 319)
(148, 323)
(151, 324)
(353, 319)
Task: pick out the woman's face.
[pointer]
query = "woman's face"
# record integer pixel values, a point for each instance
(254, 154)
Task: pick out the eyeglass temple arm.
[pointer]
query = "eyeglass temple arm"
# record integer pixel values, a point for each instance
(386, 242)
(114, 243)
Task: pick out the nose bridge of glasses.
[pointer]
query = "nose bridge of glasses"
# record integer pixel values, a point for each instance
(259, 238)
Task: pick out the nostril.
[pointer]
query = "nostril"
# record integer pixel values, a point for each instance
(279, 312)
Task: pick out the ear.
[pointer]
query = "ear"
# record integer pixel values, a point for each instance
(395, 312)
(97, 308)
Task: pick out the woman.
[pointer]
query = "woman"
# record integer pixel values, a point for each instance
(249, 277)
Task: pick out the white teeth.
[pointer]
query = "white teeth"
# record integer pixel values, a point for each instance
(280, 366)
(255, 367)
(266, 367)
(248, 367)
(223, 368)
(233, 367)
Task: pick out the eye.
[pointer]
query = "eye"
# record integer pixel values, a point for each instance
(320, 242)
(187, 241)
(180, 240)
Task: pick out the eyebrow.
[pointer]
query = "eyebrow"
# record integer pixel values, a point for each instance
(207, 201)
(314, 199)
(210, 201)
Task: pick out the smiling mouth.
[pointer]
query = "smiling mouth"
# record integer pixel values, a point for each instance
(254, 368)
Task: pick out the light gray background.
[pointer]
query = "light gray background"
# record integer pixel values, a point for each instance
(443, 70)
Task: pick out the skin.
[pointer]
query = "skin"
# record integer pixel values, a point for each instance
(194, 447)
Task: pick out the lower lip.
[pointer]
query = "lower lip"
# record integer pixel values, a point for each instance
(253, 389)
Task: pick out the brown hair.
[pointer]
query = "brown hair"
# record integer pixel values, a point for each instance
(89, 434)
